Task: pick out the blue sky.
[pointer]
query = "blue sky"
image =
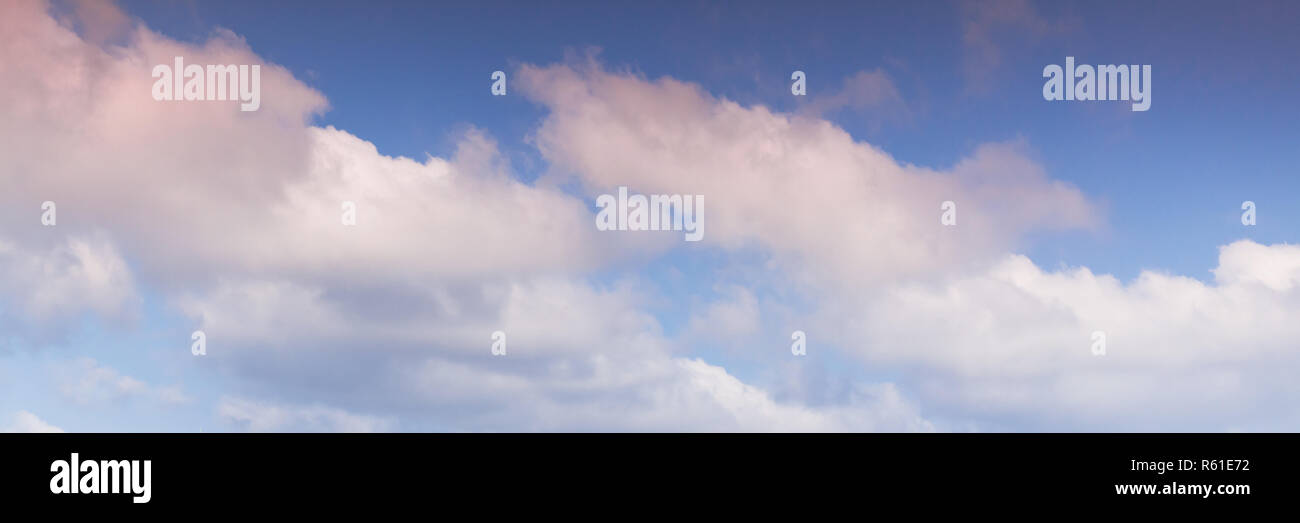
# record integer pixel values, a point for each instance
(412, 78)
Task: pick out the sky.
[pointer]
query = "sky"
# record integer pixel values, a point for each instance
(476, 214)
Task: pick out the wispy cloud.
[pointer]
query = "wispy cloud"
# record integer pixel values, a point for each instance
(26, 422)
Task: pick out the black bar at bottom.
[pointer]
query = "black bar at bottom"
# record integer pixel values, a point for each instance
(568, 472)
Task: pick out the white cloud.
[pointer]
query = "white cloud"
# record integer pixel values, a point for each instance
(87, 382)
(235, 218)
(258, 416)
(604, 393)
(1247, 264)
(198, 191)
(832, 210)
(28, 423)
(41, 289)
(1016, 339)
(578, 359)
(733, 317)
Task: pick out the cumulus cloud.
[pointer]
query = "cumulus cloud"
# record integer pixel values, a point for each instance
(978, 334)
(801, 188)
(1017, 340)
(578, 359)
(93, 140)
(208, 190)
(234, 218)
(239, 227)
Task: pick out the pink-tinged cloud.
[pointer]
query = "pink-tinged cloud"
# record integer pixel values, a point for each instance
(798, 187)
